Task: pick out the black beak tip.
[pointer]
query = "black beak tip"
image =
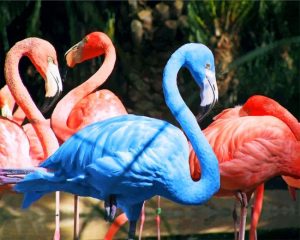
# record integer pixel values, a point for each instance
(203, 111)
(49, 102)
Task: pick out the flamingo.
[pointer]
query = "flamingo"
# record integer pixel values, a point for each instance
(83, 105)
(263, 124)
(263, 144)
(42, 54)
(7, 103)
(127, 159)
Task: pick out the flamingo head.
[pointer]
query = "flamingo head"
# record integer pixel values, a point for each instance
(43, 56)
(259, 105)
(91, 46)
(200, 62)
(5, 110)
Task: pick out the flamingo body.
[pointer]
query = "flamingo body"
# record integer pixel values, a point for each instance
(253, 148)
(84, 105)
(95, 107)
(247, 146)
(14, 145)
(131, 142)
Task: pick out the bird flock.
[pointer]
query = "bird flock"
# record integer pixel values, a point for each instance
(91, 147)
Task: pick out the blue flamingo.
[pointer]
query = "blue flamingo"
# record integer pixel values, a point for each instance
(128, 159)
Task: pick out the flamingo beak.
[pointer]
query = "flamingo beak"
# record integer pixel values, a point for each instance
(208, 94)
(73, 55)
(5, 111)
(53, 86)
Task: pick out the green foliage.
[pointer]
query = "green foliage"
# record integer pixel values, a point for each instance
(210, 18)
(8, 12)
(33, 28)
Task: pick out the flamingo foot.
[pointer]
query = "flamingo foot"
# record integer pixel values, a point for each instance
(110, 208)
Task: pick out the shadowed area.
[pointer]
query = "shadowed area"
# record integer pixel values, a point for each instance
(280, 216)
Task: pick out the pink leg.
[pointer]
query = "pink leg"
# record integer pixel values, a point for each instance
(235, 221)
(142, 221)
(158, 212)
(76, 218)
(253, 231)
(57, 220)
(244, 205)
(256, 211)
(292, 192)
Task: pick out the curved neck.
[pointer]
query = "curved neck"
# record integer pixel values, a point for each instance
(272, 108)
(65, 105)
(23, 99)
(192, 192)
(290, 120)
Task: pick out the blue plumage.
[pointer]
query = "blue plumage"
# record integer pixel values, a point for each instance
(133, 158)
(110, 156)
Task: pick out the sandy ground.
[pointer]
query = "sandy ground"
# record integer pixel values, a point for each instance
(37, 222)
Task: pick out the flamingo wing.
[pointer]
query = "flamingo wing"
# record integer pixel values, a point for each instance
(14, 145)
(97, 106)
(121, 155)
(250, 150)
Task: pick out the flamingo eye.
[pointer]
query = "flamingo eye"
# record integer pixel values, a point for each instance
(50, 60)
(85, 40)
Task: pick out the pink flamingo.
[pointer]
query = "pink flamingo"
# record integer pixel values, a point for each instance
(264, 136)
(43, 56)
(263, 144)
(83, 105)
(7, 104)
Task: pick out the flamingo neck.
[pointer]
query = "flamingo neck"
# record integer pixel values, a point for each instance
(272, 108)
(201, 191)
(65, 105)
(292, 123)
(22, 96)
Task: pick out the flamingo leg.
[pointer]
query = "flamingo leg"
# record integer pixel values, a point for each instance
(254, 232)
(158, 212)
(76, 218)
(57, 217)
(235, 221)
(110, 206)
(132, 228)
(142, 221)
(292, 192)
(243, 214)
